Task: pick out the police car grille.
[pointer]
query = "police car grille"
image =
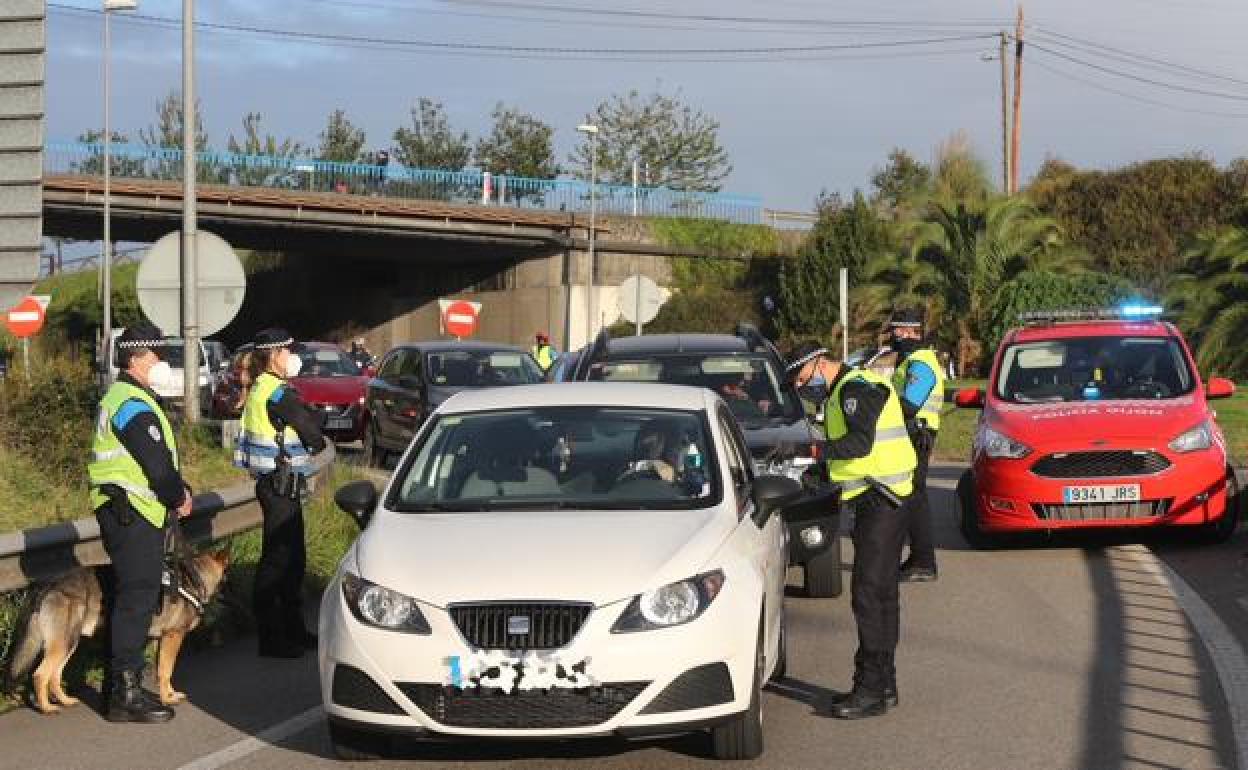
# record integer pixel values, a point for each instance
(1080, 465)
(550, 624)
(1145, 509)
(491, 708)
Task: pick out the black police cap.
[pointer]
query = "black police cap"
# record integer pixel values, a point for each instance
(143, 336)
(804, 354)
(272, 339)
(907, 317)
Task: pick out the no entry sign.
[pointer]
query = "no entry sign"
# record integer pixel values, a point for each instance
(460, 318)
(26, 319)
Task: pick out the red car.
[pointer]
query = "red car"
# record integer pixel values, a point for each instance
(1096, 420)
(334, 385)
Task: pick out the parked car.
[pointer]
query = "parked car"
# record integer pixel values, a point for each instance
(332, 383)
(746, 370)
(1097, 420)
(213, 355)
(564, 562)
(413, 380)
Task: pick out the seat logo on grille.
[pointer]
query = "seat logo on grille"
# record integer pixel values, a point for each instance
(518, 625)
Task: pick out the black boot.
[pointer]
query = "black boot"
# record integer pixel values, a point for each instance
(129, 702)
(274, 641)
(859, 704)
(889, 694)
(915, 573)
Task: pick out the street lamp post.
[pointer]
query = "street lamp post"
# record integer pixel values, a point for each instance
(106, 253)
(592, 131)
(190, 268)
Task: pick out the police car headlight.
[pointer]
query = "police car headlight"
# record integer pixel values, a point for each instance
(1199, 437)
(671, 605)
(378, 606)
(998, 445)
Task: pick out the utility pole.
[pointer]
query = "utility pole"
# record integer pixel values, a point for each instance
(1018, 98)
(1005, 114)
(190, 268)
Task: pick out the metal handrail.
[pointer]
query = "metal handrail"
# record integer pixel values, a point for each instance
(46, 553)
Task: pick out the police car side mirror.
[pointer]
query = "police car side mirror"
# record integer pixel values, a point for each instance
(1219, 387)
(358, 499)
(969, 398)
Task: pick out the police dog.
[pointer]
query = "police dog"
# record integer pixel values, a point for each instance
(74, 606)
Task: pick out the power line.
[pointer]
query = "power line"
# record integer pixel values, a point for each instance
(1135, 97)
(1145, 57)
(1138, 78)
(1139, 60)
(562, 51)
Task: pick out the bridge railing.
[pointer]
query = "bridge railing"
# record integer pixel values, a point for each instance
(132, 161)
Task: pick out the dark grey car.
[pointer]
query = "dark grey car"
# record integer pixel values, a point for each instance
(413, 380)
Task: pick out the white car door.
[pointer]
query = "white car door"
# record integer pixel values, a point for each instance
(771, 542)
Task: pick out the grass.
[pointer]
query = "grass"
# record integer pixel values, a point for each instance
(957, 428)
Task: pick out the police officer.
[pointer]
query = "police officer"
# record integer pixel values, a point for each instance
(870, 455)
(542, 352)
(279, 435)
(134, 485)
(920, 384)
(360, 354)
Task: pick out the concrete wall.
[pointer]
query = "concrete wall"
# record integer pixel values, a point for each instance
(22, 44)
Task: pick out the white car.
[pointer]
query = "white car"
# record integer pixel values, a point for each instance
(559, 561)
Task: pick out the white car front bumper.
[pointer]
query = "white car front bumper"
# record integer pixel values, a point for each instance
(643, 683)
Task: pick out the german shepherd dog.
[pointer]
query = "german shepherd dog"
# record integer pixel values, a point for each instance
(74, 606)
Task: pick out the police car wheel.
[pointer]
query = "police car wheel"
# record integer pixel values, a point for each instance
(1224, 528)
(823, 575)
(357, 745)
(742, 738)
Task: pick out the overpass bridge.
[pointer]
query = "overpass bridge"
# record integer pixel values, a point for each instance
(375, 248)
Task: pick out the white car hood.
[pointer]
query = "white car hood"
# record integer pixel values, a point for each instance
(594, 556)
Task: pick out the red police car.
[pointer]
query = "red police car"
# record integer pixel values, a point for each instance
(1096, 419)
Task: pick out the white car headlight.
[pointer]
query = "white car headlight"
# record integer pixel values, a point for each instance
(378, 606)
(1199, 437)
(998, 445)
(671, 605)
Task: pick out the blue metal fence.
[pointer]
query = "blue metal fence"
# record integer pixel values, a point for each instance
(396, 181)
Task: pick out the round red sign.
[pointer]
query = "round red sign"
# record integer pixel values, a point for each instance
(460, 319)
(26, 319)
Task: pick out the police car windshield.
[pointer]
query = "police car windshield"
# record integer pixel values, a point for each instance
(747, 383)
(563, 457)
(1094, 369)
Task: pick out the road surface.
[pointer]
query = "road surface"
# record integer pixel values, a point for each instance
(1064, 654)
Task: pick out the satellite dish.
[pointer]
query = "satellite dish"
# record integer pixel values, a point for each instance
(221, 281)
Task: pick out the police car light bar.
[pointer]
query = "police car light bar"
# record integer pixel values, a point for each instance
(1130, 312)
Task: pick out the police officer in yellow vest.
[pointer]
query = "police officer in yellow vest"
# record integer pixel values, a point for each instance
(542, 352)
(135, 486)
(279, 434)
(920, 383)
(869, 454)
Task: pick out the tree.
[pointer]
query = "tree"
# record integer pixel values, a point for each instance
(1210, 298)
(121, 164)
(167, 135)
(960, 175)
(518, 145)
(844, 236)
(1035, 290)
(431, 143)
(902, 184)
(266, 161)
(675, 145)
(341, 141)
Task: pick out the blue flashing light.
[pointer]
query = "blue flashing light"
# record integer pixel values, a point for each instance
(1141, 311)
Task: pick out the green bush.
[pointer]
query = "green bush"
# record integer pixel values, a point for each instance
(51, 417)
(1043, 290)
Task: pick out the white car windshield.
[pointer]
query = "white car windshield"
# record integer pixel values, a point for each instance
(561, 457)
(1094, 369)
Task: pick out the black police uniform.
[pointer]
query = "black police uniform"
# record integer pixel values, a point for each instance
(278, 592)
(879, 532)
(136, 549)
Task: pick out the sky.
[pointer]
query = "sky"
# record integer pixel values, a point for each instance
(794, 126)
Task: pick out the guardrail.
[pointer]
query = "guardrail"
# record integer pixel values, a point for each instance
(46, 553)
(397, 181)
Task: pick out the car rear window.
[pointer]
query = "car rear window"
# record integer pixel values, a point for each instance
(1105, 368)
(748, 383)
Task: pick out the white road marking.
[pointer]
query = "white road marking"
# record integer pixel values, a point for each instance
(262, 740)
(1229, 660)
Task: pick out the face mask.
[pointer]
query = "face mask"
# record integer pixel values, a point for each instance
(293, 365)
(905, 345)
(160, 375)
